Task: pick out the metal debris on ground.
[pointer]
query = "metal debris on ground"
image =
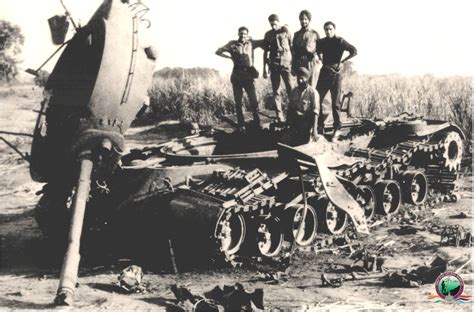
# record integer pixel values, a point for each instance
(274, 278)
(331, 282)
(189, 302)
(130, 279)
(372, 261)
(456, 235)
(228, 298)
(418, 276)
(409, 215)
(460, 215)
(407, 229)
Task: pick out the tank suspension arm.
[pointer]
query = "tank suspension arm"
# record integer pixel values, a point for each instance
(305, 210)
(305, 207)
(67, 282)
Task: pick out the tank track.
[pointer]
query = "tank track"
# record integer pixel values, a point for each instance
(441, 170)
(266, 224)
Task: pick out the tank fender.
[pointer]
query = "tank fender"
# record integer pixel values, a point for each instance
(333, 188)
(340, 197)
(435, 126)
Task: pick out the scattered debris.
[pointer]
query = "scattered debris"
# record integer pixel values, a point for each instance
(372, 261)
(407, 229)
(342, 241)
(463, 266)
(190, 302)
(336, 249)
(130, 279)
(274, 278)
(395, 279)
(460, 215)
(228, 298)
(377, 223)
(331, 282)
(417, 276)
(456, 235)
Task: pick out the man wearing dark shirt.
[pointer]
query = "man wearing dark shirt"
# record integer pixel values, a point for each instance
(277, 54)
(304, 48)
(331, 49)
(243, 74)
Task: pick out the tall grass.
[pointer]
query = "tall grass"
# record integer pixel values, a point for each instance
(201, 95)
(197, 99)
(447, 98)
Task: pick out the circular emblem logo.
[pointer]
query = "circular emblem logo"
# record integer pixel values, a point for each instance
(449, 285)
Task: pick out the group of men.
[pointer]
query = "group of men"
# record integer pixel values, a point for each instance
(315, 61)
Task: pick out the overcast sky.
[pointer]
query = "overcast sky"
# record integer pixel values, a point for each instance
(392, 36)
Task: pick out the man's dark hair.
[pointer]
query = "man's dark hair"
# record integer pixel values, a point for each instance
(329, 23)
(273, 17)
(243, 28)
(305, 12)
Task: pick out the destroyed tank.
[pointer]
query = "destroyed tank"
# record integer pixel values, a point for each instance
(240, 195)
(245, 195)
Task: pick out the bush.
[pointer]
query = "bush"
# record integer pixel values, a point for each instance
(11, 41)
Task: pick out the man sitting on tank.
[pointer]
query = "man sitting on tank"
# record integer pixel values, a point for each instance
(302, 114)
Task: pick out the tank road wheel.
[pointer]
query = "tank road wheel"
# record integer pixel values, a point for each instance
(269, 237)
(310, 226)
(332, 220)
(414, 187)
(453, 150)
(230, 232)
(365, 196)
(52, 215)
(388, 197)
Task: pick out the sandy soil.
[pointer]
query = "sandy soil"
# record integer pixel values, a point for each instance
(27, 282)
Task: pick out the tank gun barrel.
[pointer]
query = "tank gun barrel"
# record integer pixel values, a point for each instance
(67, 283)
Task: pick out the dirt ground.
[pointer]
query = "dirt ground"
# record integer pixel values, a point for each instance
(27, 283)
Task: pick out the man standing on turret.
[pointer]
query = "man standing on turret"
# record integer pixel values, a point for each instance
(331, 49)
(243, 76)
(277, 54)
(304, 49)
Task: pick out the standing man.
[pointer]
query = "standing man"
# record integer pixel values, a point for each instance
(277, 54)
(244, 73)
(331, 48)
(304, 48)
(302, 116)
